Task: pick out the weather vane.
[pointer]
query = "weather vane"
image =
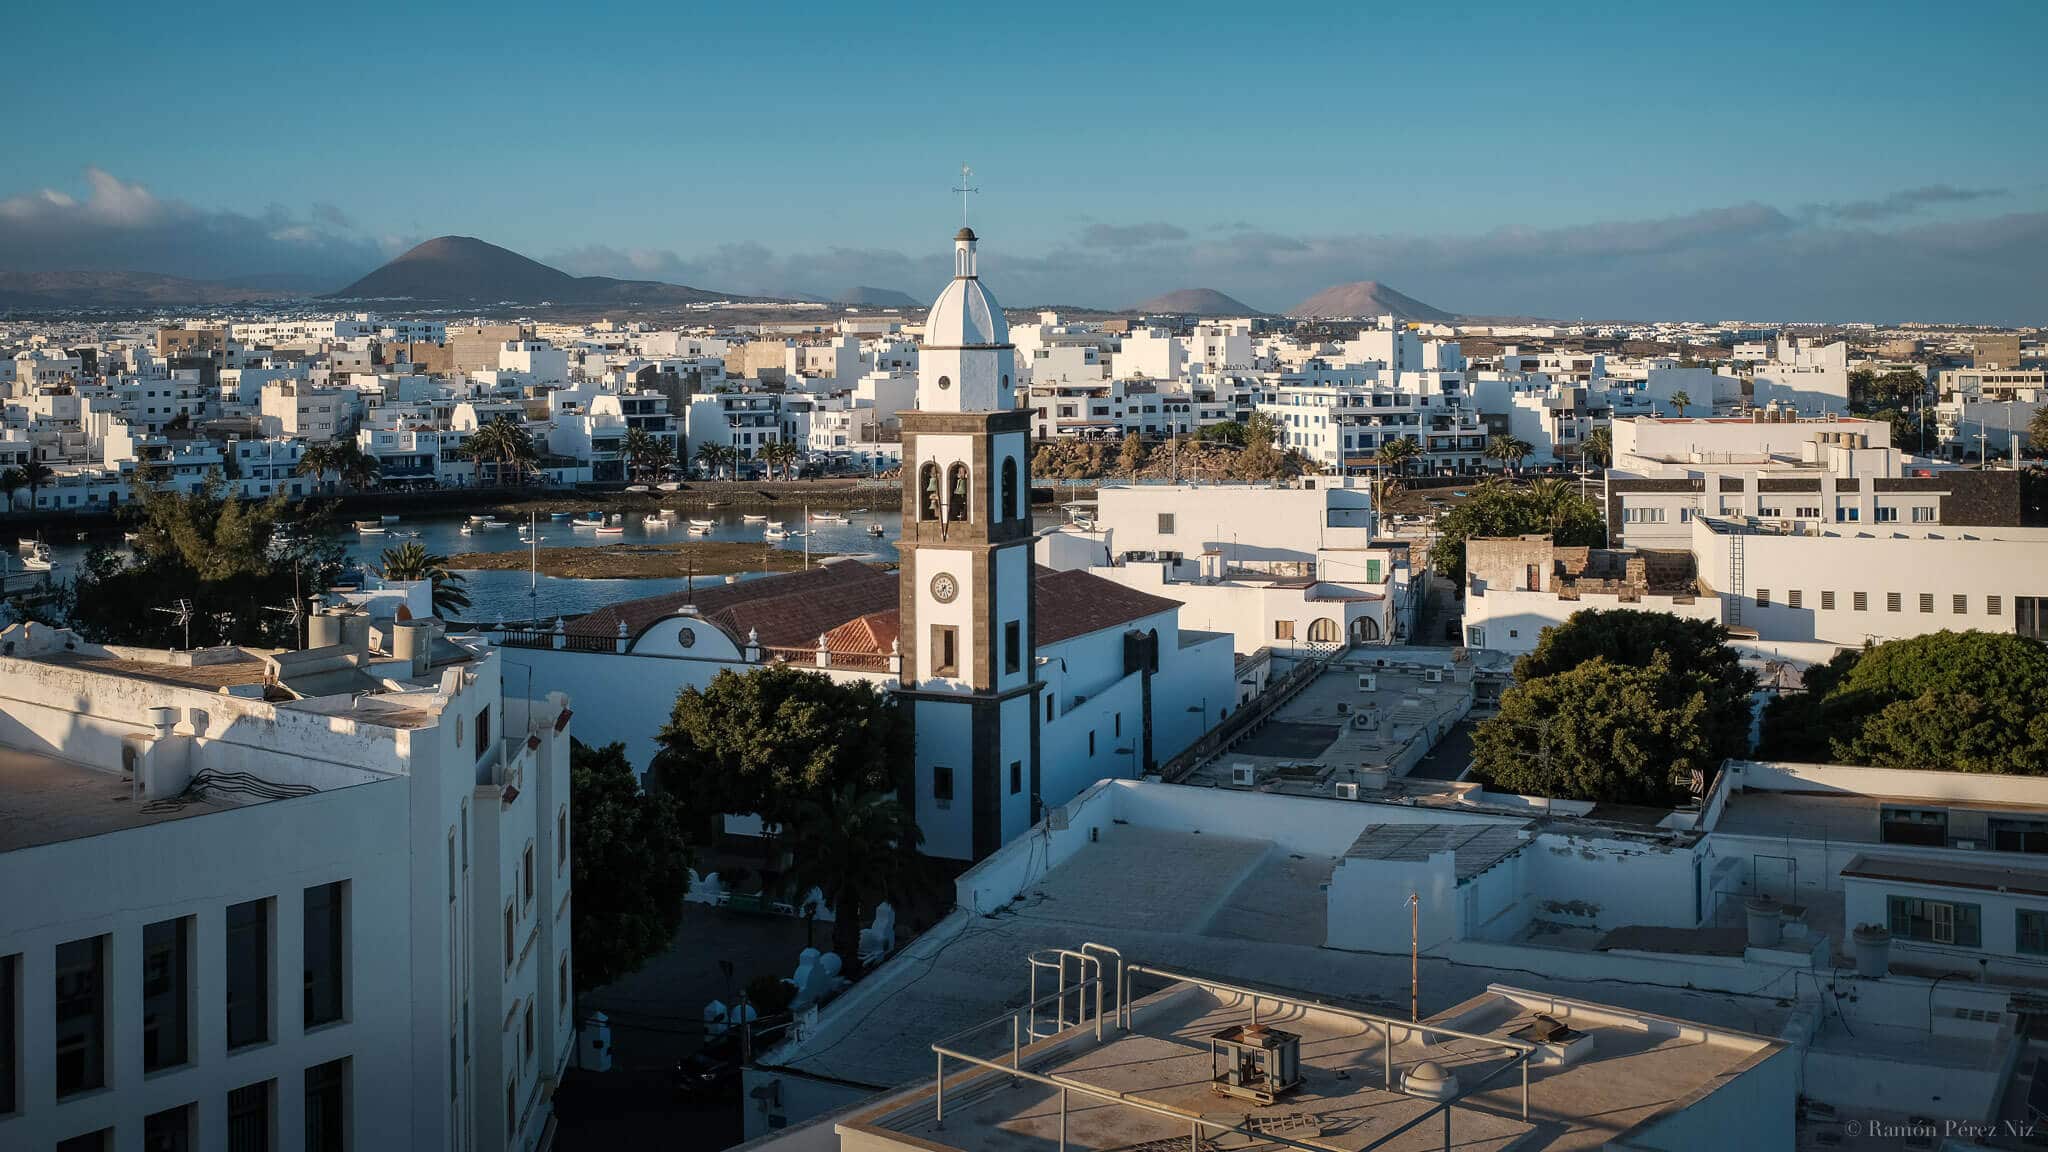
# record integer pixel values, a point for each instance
(963, 190)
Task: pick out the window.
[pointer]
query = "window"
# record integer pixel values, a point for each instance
(1283, 629)
(945, 650)
(1048, 707)
(248, 973)
(956, 492)
(529, 1031)
(169, 1130)
(1927, 601)
(928, 492)
(1763, 597)
(942, 786)
(166, 993)
(325, 953)
(483, 731)
(1923, 514)
(1935, 921)
(1323, 630)
(1010, 488)
(10, 969)
(327, 1106)
(2030, 932)
(1794, 599)
(100, 1141)
(1166, 523)
(454, 876)
(1119, 720)
(511, 934)
(561, 838)
(1892, 601)
(1994, 605)
(2030, 616)
(81, 1015)
(1885, 514)
(1016, 777)
(511, 1105)
(1927, 827)
(1827, 601)
(1860, 601)
(1960, 603)
(1013, 646)
(526, 877)
(562, 984)
(249, 1122)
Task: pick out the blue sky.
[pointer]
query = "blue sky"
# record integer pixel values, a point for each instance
(1557, 159)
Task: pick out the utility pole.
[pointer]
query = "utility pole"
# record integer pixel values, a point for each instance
(1414, 957)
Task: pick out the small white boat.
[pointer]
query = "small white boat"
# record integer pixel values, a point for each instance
(388, 518)
(654, 520)
(875, 530)
(467, 530)
(637, 488)
(478, 517)
(26, 542)
(830, 518)
(370, 527)
(585, 523)
(407, 534)
(703, 525)
(495, 524)
(38, 559)
(611, 527)
(558, 516)
(754, 518)
(670, 486)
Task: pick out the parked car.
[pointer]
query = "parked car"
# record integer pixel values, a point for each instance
(710, 1071)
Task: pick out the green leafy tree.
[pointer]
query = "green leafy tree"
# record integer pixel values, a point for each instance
(1262, 458)
(412, 561)
(1600, 731)
(1697, 659)
(2037, 432)
(1499, 509)
(632, 866)
(857, 848)
(1960, 701)
(1223, 432)
(236, 560)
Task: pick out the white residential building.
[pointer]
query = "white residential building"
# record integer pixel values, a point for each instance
(304, 899)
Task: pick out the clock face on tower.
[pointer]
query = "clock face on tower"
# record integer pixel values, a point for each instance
(944, 588)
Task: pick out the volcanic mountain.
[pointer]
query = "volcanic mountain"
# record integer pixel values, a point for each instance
(1197, 302)
(1366, 298)
(863, 296)
(465, 269)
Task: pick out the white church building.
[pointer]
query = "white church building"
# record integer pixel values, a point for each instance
(1024, 685)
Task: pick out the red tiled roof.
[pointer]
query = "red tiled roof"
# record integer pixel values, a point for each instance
(854, 605)
(1075, 603)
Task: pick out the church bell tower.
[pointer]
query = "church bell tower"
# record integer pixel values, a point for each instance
(967, 586)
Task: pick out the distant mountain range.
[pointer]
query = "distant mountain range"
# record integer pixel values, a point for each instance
(1196, 302)
(463, 269)
(862, 296)
(1366, 298)
(137, 290)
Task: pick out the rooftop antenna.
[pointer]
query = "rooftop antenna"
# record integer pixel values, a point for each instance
(182, 609)
(963, 190)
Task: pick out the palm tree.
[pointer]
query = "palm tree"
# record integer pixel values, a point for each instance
(1509, 450)
(317, 460)
(34, 475)
(1400, 453)
(781, 454)
(412, 561)
(503, 442)
(1680, 399)
(12, 480)
(710, 456)
(637, 448)
(358, 468)
(857, 848)
(1598, 447)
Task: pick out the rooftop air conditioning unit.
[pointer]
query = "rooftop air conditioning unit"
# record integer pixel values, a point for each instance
(1243, 774)
(1346, 789)
(1434, 676)
(1368, 682)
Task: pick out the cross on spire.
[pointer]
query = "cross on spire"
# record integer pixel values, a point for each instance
(963, 190)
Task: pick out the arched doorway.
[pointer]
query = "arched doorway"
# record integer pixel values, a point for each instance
(1365, 630)
(1323, 630)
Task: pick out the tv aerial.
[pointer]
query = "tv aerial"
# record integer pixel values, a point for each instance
(182, 610)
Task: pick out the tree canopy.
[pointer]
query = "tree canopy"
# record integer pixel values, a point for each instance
(775, 739)
(1600, 731)
(632, 866)
(241, 563)
(1498, 509)
(1699, 661)
(1956, 701)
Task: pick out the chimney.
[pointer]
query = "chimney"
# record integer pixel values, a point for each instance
(413, 640)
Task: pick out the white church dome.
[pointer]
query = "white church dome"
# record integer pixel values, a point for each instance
(965, 315)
